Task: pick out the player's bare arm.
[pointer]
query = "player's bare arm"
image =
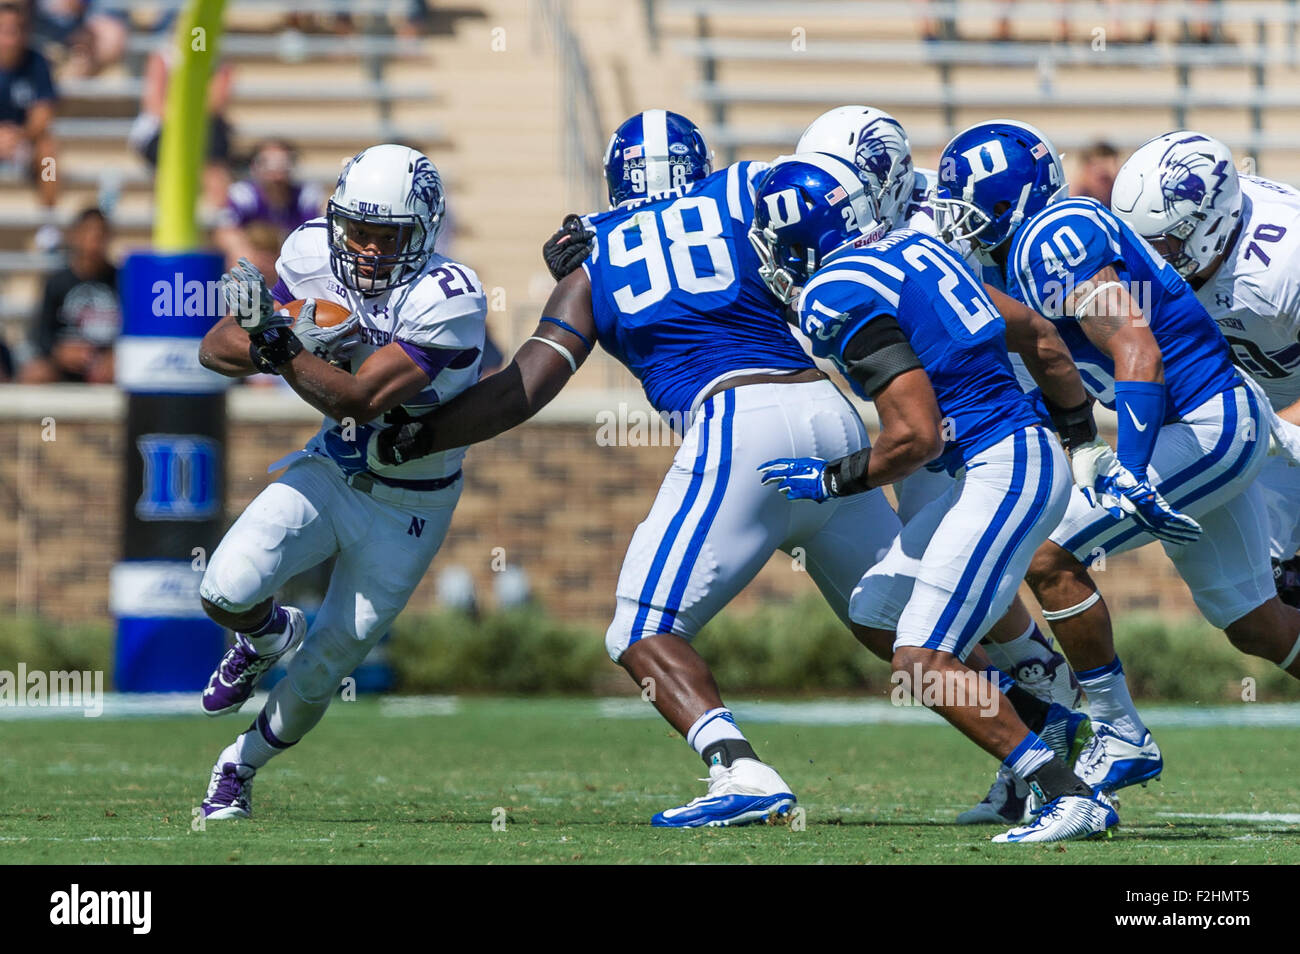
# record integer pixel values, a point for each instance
(1114, 322)
(1046, 355)
(224, 349)
(385, 379)
(541, 367)
(911, 428)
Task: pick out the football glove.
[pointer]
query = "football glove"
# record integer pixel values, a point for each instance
(798, 478)
(1143, 503)
(249, 300)
(405, 441)
(568, 247)
(334, 344)
(1088, 462)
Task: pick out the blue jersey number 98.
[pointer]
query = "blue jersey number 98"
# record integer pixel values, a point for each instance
(673, 267)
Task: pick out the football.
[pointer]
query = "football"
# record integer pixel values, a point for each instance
(328, 313)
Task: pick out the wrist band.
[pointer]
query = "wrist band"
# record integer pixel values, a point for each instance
(270, 349)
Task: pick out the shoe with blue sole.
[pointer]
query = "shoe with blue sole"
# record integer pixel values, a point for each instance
(743, 793)
(1110, 762)
(1067, 818)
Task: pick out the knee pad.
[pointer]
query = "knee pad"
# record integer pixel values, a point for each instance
(321, 663)
(235, 586)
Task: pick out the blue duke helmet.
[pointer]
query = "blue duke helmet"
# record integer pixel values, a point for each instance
(876, 144)
(388, 196)
(806, 206)
(1180, 192)
(993, 178)
(653, 152)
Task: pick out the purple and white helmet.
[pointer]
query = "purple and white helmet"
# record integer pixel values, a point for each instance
(876, 144)
(1182, 186)
(384, 187)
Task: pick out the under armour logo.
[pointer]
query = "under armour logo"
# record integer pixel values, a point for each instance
(1223, 301)
(416, 528)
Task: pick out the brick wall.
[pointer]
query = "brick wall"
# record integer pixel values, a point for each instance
(561, 506)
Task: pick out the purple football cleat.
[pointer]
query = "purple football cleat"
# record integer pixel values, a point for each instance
(230, 793)
(241, 668)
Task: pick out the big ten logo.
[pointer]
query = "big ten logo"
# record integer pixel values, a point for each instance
(180, 477)
(499, 819)
(799, 560)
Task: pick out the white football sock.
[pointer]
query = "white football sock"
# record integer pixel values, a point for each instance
(714, 726)
(1109, 700)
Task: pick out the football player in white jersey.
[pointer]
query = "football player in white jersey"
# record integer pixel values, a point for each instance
(874, 140)
(413, 340)
(1236, 240)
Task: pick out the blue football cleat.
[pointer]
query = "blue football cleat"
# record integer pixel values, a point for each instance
(746, 792)
(1110, 761)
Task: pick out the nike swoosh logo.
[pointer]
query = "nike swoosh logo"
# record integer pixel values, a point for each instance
(1136, 423)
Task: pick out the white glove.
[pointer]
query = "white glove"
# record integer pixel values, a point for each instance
(333, 344)
(249, 300)
(1089, 463)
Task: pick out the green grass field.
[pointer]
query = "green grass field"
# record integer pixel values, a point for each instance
(377, 783)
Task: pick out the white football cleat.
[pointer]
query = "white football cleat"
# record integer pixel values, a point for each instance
(230, 791)
(1110, 761)
(748, 791)
(1067, 818)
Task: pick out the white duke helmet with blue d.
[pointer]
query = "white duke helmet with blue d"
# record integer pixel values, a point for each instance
(676, 297)
(1237, 240)
(654, 152)
(394, 194)
(880, 306)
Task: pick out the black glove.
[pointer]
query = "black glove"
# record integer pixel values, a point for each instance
(406, 441)
(568, 247)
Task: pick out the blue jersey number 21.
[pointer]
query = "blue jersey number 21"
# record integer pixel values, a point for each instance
(680, 244)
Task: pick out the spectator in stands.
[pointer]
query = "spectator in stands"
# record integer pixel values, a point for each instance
(271, 194)
(80, 317)
(27, 98)
(94, 39)
(1207, 30)
(146, 132)
(1098, 165)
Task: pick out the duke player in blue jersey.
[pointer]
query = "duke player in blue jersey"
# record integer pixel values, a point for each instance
(671, 289)
(1191, 440)
(911, 328)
